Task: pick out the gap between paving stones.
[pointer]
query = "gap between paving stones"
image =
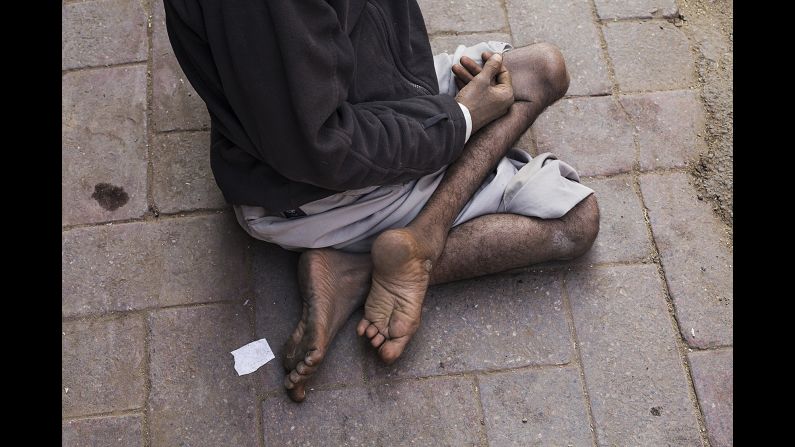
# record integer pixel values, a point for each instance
(484, 436)
(149, 217)
(578, 356)
(99, 67)
(150, 195)
(681, 345)
(105, 415)
(118, 314)
(470, 374)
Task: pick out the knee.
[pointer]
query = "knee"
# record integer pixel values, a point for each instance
(582, 226)
(544, 63)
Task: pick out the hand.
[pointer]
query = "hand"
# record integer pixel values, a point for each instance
(486, 92)
(467, 69)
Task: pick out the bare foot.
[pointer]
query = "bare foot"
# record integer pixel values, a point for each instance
(333, 284)
(401, 272)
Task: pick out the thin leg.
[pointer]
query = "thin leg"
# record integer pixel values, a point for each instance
(404, 258)
(333, 283)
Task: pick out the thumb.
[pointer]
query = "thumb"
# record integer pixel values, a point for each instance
(492, 67)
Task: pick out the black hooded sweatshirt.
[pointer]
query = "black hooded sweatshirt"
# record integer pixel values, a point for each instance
(311, 97)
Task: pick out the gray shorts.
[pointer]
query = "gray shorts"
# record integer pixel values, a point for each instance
(541, 187)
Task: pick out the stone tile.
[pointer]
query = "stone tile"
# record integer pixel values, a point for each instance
(439, 411)
(176, 105)
(489, 323)
(102, 368)
(696, 257)
(197, 398)
(623, 236)
(278, 310)
(463, 16)
(635, 378)
(102, 33)
(527, 142)
(448, 44)
(569, 25)
(535, 407)
(103, 151)
(181, 172)
(713, 377)
(649, 56)
(153, 264)
(636, 9)
(670, 127)
(103, 432)
(591, 134)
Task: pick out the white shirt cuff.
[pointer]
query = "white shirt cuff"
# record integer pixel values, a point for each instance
(468, 119)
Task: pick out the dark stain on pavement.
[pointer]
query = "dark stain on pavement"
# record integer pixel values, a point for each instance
(655, 411)
(109, 196)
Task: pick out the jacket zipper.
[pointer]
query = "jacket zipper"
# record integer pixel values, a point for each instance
(389, 36)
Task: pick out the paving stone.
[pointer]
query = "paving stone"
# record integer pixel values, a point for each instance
(103, 152)
(197, 398)
(623, 236)
(591, 134)
(540, 407)
(102, 432)
(713, 377)
(102, 368)
(463, 16)
(569, 25)
(649, 56)
(489, 323)
(278, 311)
(439, 411)
(152, 264)
(448, 44)
(181, 172)
(636, 9)
(670, 127)
(176, 105)
(527, 142)
(696, 257)
(102, 33)
(635, 378)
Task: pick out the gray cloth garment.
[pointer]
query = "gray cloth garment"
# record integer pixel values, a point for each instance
(541, 187)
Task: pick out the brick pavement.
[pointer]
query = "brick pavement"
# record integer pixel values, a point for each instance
(630, 345)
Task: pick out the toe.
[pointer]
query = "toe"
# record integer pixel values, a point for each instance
(361, 327)
(371, 331)
(377, 340)
(297, 393)
(391, 349)
(314, 357)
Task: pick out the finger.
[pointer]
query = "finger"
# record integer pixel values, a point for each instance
(486, 55)
(472, 67)
(504, 76)
(492, 67)
(462, 73)
(459, 83)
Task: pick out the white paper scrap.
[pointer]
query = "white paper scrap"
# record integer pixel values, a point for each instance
(250, 357)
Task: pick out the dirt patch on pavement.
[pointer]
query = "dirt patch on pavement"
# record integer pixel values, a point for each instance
(708, 24)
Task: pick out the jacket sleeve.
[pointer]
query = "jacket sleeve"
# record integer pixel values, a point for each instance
(289, 89)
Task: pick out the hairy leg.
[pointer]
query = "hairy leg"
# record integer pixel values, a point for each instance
(334, 283)
(403, 259)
